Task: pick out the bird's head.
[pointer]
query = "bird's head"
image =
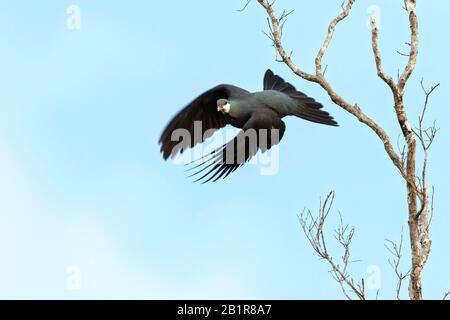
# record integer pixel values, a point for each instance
(223, 105)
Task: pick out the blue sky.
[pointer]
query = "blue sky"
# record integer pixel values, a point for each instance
(88, 208)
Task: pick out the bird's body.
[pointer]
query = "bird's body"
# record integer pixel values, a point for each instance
(228, 104)
(277, 101)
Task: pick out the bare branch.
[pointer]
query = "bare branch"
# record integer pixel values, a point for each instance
(276, 33)
(431, 208)
(401, 149)
(245, 6)
(376, 51)
(319, 78)
(410, 7)
(402, 54)
(426, 138)
(344, 14)
(313, 228)
(396, 251)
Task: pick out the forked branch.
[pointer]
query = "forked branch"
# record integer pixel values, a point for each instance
(396, 251)
(313, 228)
(319, 78)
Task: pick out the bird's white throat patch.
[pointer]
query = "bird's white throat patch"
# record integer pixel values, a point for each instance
(225, 108)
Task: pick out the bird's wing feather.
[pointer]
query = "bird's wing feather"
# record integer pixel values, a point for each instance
(263, 130)
(204, 110)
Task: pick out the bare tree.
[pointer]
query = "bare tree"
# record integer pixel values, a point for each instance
(407, 161)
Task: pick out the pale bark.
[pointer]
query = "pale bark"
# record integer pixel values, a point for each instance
(417, 189)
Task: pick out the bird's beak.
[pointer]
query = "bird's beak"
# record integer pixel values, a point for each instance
(219, 108)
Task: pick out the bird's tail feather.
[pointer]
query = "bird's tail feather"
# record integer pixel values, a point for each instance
(306, 107)
(311, 111)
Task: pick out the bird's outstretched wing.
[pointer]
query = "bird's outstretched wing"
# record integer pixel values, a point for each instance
(202, 112)
(263, 130)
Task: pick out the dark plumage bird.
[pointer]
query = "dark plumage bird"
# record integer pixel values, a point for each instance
(228, 104)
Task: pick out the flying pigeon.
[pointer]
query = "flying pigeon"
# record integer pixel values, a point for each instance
(251, 112)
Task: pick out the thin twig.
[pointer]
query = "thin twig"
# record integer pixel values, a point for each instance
(396, 251)
(245, 6)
